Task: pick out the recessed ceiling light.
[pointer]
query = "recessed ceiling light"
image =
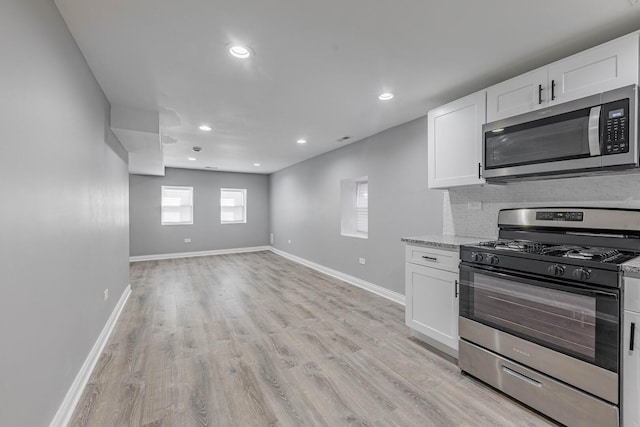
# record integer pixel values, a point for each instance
(301, 141)
(191, 158)
(240, 51)
(256, 164)
(385, 96)
(205, 128)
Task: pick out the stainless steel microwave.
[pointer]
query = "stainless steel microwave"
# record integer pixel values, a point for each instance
(591, 134)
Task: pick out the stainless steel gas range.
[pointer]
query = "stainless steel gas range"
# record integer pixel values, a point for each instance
(540, 309)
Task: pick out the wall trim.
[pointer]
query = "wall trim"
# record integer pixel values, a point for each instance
(352, 280)
(68, 405)
(196, 254)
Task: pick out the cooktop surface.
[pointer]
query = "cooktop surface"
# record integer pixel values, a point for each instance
(588, 253)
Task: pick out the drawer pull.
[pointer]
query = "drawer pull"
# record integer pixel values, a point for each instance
(632, 340)
(430, 258)
(521, 377)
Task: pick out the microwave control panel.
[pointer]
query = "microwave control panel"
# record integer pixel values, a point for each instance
(615, 129)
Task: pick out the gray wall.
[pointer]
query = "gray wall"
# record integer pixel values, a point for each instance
(64, 217)
(619, 191)
(148, 237)
(305, 204)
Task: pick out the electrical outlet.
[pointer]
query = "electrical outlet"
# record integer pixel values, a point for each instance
(474, 206)
(187, 240)
(362, 261)
(106, 294)
(271, 238)
(289, 241)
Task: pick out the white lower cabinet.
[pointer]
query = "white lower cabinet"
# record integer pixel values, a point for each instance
(432, 296)
(631, 374)
(631, 355)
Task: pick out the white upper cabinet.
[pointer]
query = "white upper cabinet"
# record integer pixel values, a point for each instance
(455, 129)
(602, 68)
(605, 67)
(518, 95)
(455, 142)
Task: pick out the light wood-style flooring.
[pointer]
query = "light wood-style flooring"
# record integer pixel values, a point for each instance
(257, 340)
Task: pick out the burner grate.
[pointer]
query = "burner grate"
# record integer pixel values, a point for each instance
(595, 254)
(575, 252)
(514, 245)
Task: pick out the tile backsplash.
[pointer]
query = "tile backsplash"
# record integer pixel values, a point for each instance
(463, 218)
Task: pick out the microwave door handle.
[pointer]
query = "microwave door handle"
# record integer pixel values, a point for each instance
(594, 131)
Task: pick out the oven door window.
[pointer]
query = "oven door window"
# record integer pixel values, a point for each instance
(576, 321)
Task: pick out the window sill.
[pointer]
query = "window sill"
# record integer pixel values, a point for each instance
(356, 235)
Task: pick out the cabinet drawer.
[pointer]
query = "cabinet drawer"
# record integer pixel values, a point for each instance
(431, 257)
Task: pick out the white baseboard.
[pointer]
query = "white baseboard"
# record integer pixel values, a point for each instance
(196, 254)
(65, 411)
(378, 290)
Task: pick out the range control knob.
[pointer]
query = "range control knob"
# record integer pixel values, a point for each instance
(492, 259)
(582, 274)
(476, 257)
(556, 270)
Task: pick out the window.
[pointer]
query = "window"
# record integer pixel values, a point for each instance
(362, 207)
(354, 220)
(176, 206)
(233, 205)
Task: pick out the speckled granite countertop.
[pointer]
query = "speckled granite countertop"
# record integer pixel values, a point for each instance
(442, 241)
(632, 266)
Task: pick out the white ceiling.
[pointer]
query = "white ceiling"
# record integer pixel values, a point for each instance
(318, 66)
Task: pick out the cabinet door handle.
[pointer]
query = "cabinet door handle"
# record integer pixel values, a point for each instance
(456, 290)
(632, 340)
(430, 258)
(479, 170)
(553, 90)
(539, 94)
